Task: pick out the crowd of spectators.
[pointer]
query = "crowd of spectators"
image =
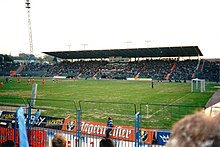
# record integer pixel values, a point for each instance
(163, 69)
(5, 68)
(184, 70)
(156, 69)
(210, 71)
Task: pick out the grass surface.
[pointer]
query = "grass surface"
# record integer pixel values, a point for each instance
(160, 106)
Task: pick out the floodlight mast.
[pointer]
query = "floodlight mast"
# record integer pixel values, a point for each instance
(27, 2)
(147, 41)
(69, 45)
(127, 43)
(84, 45)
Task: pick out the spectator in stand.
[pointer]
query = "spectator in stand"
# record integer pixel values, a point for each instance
(196, 130)
(106, 142)
(8, 143)
(59, 141)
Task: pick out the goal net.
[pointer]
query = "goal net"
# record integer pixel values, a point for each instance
(197, 85)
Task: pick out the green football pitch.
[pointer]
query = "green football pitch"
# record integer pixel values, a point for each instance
(160, 106)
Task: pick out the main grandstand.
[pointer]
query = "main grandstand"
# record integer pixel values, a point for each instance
(162, 63)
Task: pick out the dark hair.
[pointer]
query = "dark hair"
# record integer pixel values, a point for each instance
(8, 143)
(106, 142)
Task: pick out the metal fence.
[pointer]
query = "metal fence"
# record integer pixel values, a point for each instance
(121, 113)
(163, 116)
(80, 124)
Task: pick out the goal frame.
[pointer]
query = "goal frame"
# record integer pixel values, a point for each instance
(197, 85)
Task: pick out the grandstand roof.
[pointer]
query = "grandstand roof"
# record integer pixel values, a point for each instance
(182, 51)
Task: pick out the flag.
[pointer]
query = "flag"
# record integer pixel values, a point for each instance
(22, 128)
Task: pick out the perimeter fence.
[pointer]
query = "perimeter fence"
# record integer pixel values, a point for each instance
(83, 123)
(163, 116)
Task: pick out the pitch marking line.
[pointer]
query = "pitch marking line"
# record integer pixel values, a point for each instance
(168, 105)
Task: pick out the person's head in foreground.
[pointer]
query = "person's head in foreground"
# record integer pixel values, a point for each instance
(196, 130)
(8, 143)
(106, 142)
(59, 141)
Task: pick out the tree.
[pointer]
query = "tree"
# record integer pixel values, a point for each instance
(48, 58)
(23, 56)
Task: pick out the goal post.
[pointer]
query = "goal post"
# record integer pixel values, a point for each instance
(198, 85)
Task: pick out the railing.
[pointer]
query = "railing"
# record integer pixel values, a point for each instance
(68, 118)
(163, 116)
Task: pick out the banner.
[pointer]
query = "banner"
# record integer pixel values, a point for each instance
(48, 122)
(22, 128)
(7, 115)
(98, 129)
(7, 119)
(124, 133)
(147, 136)
(69, 125)
(163, 137)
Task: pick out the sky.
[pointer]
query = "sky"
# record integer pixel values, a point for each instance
(63, 25)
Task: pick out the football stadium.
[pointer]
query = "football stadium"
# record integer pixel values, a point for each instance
(143, 90)
(134, 96)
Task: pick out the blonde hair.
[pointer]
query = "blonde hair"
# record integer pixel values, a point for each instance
(196, 130)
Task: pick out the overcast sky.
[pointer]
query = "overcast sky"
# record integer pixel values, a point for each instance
(107, 24)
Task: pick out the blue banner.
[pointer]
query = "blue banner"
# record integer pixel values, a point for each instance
(163, 137)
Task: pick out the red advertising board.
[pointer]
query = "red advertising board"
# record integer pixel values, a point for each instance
(7, 134)
(37, 137)
(125, 133)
